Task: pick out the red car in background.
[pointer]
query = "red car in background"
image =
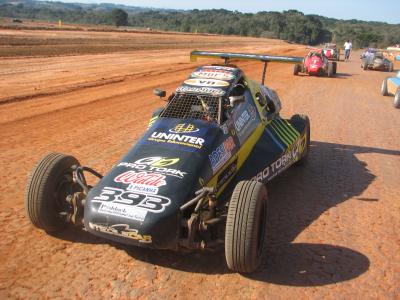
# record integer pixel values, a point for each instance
(331, 51)
(317, 64)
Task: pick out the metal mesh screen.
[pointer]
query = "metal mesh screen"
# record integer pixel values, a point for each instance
(193, 106)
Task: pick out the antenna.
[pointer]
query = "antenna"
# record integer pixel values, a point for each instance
(264, 72)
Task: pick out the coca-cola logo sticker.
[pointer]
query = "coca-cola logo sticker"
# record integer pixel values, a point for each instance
(143, 182)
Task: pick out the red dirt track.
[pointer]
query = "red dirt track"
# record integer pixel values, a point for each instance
(333, 224)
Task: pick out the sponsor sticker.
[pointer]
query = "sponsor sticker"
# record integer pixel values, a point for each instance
(177, 139)
(121, 210)
(200, 90)
(221, 154)
(157, 161)
(156, 164)
(214, 74)
(247, 115)
(289, 157)
(184, 128)
(206, 82)
(152, 179)
(129, 204)
(122, 230)
(242, 120)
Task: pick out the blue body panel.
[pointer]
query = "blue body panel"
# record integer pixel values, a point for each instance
(395, 80)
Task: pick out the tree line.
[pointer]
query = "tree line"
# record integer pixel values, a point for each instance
(291, 25)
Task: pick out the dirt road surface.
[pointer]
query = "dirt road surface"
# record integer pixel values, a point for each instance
(333, 223)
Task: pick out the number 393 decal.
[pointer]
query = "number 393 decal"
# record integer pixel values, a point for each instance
(131, 205)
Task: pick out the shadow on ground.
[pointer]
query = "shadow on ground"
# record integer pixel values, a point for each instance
(344, 75)
(332, 175)
(337, 76)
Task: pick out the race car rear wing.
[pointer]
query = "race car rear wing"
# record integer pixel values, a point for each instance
(226, 56)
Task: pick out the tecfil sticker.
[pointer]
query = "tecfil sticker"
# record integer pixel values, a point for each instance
(200, 90)
(206, 82)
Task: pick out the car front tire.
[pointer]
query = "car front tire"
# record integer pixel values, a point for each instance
(296, 70)
(245, 235)
(396, 102)
(48, 186)
(384, 90)
(330, 70)
(304, 120)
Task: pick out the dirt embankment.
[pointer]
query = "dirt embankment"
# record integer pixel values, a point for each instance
(333, 224)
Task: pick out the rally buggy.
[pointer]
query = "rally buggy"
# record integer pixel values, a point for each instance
(316, 63)
(376, 61)
(196, 179)
(331, 51)
(391, 86)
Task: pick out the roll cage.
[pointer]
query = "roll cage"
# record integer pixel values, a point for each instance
(203, 106)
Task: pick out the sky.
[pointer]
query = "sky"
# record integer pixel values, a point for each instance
(367, 10)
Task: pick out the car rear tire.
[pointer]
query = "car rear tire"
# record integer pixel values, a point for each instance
(245, 234)
(296, 70)
(384, 90)
(365, 65)
(334, 67)
(303, 119)
(48, 186)
(330, 69)
(396, 102)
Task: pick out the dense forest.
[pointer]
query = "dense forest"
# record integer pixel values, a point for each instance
(291, 25)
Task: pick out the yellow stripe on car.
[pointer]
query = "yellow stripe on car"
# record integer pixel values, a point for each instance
(241, 156)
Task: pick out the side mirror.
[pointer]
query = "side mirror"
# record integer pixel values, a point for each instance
(159, 93)
(234, 100)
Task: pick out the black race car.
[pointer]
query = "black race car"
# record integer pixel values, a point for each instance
(376, 61)
(195, 180)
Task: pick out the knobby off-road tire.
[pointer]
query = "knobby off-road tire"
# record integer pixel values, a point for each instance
(364, 65)
(330, 70)
(396, 102)
(334, 67)
(296, 69)
(245, 235)
(384, 90)
(48, 185)
(303, 119)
